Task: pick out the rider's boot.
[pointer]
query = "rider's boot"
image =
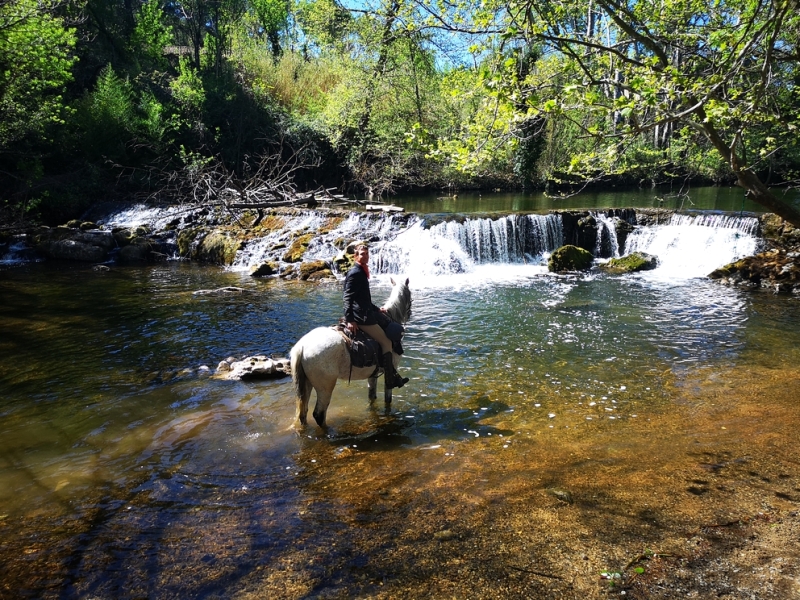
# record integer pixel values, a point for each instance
(393, 378)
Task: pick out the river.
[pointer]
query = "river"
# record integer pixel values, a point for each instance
(559, 423)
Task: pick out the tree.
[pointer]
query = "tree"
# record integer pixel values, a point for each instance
(725, 69)
(35, 65)
(151, 34)
(273, 19)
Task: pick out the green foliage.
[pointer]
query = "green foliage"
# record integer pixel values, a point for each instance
(151, 35)
(108, 115)
(554, 94)
(188, 89)
(273, 19)
(325, 23)
(35, 65)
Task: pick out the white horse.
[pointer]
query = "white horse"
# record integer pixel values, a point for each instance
(321, 357)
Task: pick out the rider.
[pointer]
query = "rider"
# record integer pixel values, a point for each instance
(361, 313)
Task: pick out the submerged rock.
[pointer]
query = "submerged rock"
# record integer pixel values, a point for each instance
(254, 367)
(570, 258)
(633, 262)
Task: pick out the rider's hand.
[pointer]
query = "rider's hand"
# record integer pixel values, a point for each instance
(353, 327)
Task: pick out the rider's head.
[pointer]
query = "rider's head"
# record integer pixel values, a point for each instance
(361, 254)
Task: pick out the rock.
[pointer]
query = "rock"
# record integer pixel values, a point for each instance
(230, 289)
(254, 367)
(776, 270)
(72, 250)
(264, 270)
(636, 261)
(135, 252)
(298, 248)
(570, 258)
(218, 248)
(315, 270)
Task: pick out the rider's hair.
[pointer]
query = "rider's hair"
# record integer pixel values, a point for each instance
(359, 247)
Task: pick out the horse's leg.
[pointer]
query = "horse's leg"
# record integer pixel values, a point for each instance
(387, 393)
(373, 388)
(302, 404)
(324, 393)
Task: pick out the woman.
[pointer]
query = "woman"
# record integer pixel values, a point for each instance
(361, 313)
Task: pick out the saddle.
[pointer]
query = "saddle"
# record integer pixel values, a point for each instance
(366, 352)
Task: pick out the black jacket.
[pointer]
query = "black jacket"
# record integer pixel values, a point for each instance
(358, 306)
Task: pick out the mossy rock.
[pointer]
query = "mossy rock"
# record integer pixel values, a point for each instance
(123, 236)
(186, 240)
(321, 275)
(272, 223)
(218, 248)
(73, 224)
(330, 224)
(344, 262)
(570, 258)
(298, 248)
(772, 226)
(308, 270)
(633, 262)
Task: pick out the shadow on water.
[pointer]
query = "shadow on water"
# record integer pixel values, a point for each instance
(390, 428)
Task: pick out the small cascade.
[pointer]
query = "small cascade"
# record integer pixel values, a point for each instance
(509, 239)
(17, 253)
(607, 245)
(693, 246)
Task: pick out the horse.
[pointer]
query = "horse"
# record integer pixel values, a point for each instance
(322, 356)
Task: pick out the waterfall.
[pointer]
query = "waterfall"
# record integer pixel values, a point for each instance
(433, 247)
(693, 246)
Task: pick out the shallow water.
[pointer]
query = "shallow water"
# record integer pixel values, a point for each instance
(126, 471)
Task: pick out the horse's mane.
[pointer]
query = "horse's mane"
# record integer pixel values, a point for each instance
(399, 303)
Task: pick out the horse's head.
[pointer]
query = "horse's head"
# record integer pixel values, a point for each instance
(399, 303)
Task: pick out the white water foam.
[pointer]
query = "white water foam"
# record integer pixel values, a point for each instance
(689, 247)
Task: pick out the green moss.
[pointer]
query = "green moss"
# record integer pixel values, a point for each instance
(636, 261)
(186, 240)
(317, 269)
(218, 248)
(298, 248)
(570, 258)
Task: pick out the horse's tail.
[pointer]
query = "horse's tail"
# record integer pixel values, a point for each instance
(299, 377)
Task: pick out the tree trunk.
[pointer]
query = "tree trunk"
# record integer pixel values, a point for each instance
(756, 190)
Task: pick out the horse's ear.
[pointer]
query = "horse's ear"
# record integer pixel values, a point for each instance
(406, 281)
(392, 280)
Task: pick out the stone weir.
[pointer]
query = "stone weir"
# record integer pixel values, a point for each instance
(313, 244)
